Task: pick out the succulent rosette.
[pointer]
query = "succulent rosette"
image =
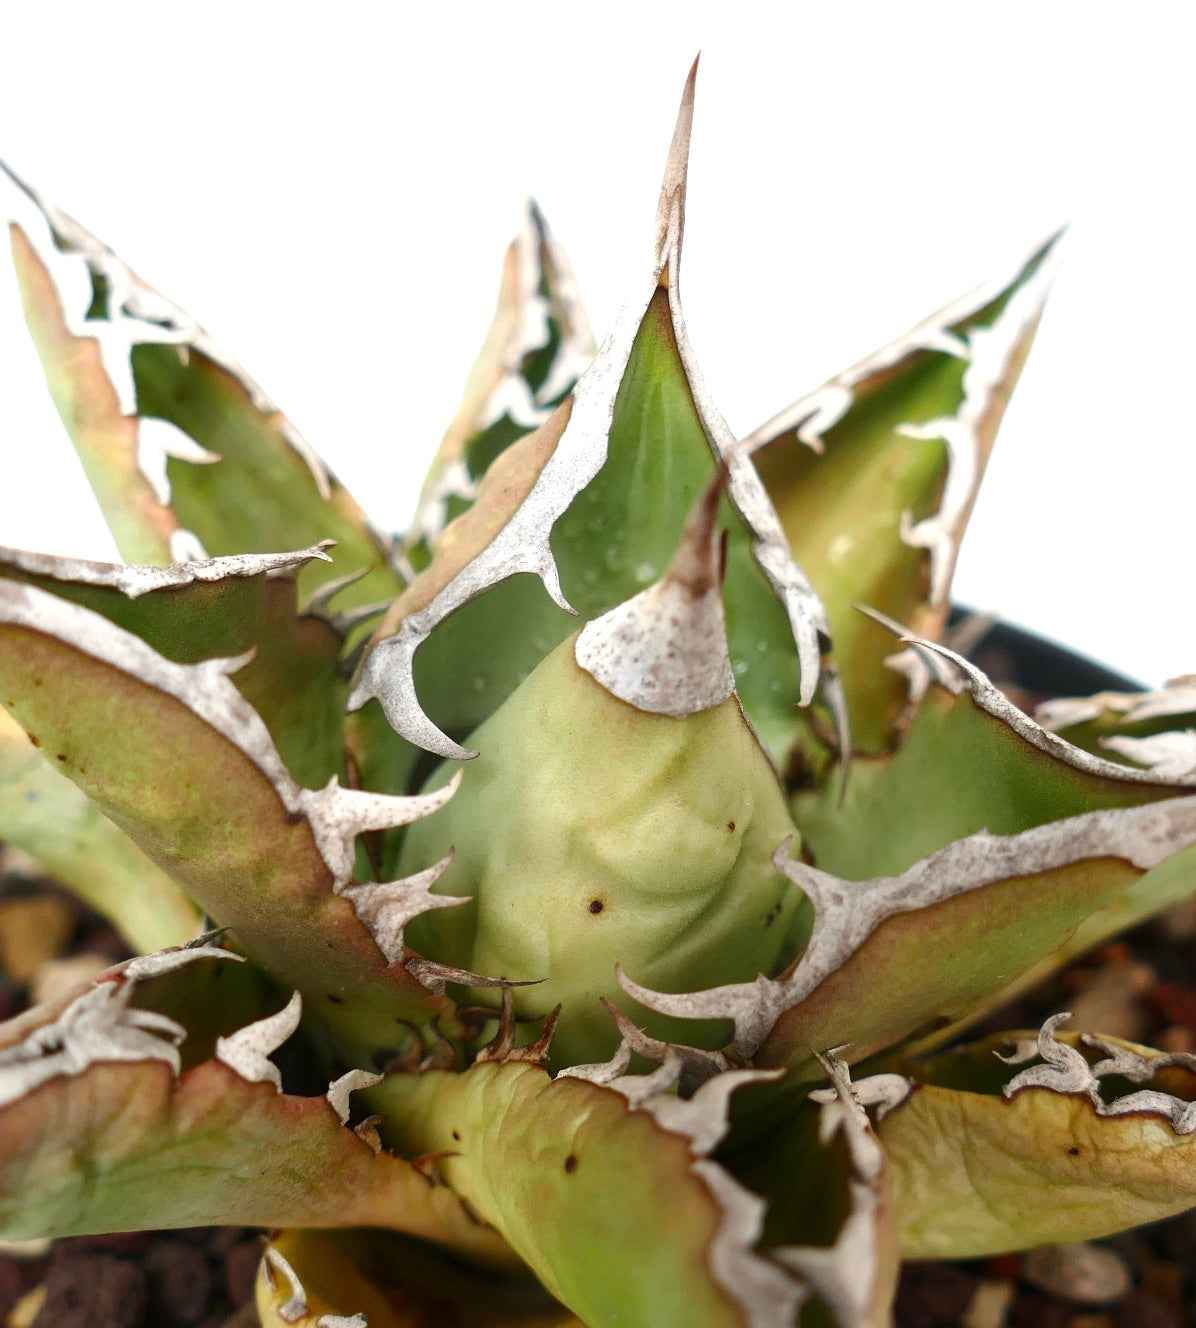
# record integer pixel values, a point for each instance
(621, 892)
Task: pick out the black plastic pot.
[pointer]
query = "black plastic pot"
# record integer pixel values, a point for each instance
(1039, 665)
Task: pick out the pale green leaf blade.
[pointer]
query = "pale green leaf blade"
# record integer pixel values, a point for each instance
(593, 505)
(51, 819)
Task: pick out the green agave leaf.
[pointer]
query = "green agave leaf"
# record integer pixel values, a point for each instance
(225, 607)
(896, 956)
(874, 475)
(346, 1279)
(962, 767)
(51, 819)
(575, 1175)
(99, 1117)
(982, 1163)
(177, 758)
(187, 455)
(593, 504)
(538, 346)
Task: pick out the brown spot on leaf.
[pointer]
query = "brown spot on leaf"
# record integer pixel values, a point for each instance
(35, 740)
(1073, 1151)
(457, 1135)
(596, 905)
(731, 826)
(570, 1164)
(336, 1000)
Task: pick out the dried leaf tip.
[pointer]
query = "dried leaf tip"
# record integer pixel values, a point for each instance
(670, 211)
(665, 650)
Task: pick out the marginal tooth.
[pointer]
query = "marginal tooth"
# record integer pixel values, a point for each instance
(367, 1132)
(166, 961)
(697, 1066)
(603, 1073)
(427, 1164)
(338, 815)
(385, 907)
(536, 1052)
(434, 976)
(387, 674)
(247, 1051)
(664, 651)
(1067, 1071)
(319, 602)
(295, 1306)
(339, 1090)
(440, 1054)
(504, 1040)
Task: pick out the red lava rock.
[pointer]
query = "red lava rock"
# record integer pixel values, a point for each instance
(240, 1271)
(180, 1282)
(933, 1295)
(93, 1291)
(1142, 1310)
(1175, 1003)
(1032, 1310)
(12, 1285)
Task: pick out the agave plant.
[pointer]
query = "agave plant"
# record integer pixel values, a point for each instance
(620, 891)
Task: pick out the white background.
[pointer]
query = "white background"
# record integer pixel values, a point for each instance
(330, 189)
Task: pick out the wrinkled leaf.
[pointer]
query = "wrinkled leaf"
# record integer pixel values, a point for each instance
(976, 1173)
(576, 1179)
